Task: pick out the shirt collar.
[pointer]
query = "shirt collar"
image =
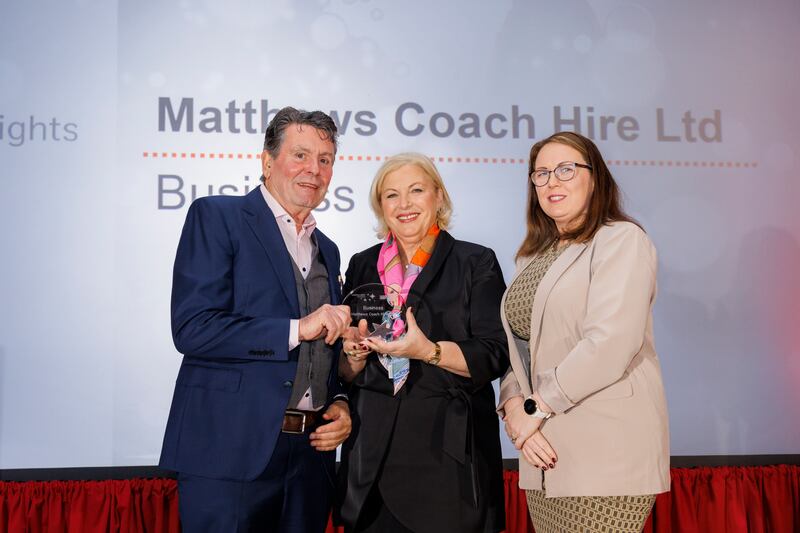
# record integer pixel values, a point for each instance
(280, 213)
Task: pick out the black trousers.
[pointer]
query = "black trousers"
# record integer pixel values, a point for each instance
(292, 495)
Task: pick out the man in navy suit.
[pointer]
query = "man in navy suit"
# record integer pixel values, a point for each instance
(258, 410)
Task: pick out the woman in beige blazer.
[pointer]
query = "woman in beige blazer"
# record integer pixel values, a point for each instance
(583, 401)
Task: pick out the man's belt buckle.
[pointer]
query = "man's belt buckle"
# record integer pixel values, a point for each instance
(294, 414)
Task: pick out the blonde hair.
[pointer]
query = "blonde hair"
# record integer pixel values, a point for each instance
(393, 163)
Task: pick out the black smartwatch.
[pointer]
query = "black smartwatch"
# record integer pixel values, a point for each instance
(532, 409)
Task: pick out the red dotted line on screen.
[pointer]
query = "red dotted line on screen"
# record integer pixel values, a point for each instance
(484, 160)
(676, 163)
(229, 155)
(200, 155)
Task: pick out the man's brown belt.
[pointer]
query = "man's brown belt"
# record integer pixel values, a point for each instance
(298, 422)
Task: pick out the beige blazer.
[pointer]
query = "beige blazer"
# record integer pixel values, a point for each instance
(593, 361)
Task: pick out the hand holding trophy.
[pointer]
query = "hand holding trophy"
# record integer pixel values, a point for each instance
(382, 307)
(383, 310)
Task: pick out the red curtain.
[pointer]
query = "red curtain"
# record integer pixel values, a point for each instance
(762, 499)
(125, 506)
(703, 500)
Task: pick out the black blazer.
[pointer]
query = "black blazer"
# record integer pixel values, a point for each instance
(434, 449)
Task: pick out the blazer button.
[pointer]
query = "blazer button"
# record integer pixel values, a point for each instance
(287, 384)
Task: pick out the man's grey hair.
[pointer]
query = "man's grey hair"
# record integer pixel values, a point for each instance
(273, 137)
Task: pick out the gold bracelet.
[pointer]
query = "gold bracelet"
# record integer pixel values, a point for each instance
(436, 356)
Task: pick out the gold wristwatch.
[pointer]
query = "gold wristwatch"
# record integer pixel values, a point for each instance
(437, 355)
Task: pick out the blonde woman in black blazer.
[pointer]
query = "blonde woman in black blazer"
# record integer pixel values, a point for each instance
(427, 459)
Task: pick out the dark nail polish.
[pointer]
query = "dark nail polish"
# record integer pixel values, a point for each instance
(552, 465)
(544, 468)
(553, 459)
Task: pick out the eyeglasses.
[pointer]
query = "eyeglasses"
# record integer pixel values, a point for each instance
(564, 172)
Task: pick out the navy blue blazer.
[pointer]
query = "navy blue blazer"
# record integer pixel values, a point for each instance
(233, 295)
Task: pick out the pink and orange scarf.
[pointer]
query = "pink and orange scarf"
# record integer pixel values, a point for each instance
(398, 282)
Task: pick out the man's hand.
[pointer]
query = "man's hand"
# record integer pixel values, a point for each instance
(328, 437)
(330, 321)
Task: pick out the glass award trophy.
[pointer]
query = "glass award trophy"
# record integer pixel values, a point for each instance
(384, 310)
(381, 306)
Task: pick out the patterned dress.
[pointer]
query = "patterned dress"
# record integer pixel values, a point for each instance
(579, 514)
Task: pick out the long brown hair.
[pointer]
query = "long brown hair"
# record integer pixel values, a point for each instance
(605, 205)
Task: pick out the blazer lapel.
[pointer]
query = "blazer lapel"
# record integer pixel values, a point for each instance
(444, 243)
(514, 357)
(522, 264)
(262, 221)
(561, 264)
(329, 257)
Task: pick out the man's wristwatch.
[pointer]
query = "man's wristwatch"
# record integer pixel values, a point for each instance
(436, 356)
(532, 409)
